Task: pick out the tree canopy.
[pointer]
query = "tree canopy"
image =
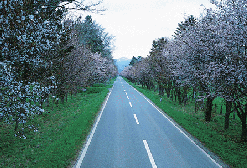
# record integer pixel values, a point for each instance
(45, 57)
(207, 55)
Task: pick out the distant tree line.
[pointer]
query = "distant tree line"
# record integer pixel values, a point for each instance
(44, 56)
(206, 56)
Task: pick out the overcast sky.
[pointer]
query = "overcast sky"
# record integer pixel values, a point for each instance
(136, 23)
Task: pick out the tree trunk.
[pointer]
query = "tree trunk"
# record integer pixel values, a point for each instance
(62, 94)
(185, 100)
(179, 96)
(228, 112)
(169, 89)
(175, 94)
(234, 115)
(185, 96)
(152, 85)
(208, 111)
(168, 92)
(62, 99)
(16, 122)
(66, 95)
(172, 95)
(194, 93)
(161, 90)
(244, 129)
(148, 86)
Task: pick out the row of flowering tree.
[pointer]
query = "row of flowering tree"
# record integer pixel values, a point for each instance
(207, 56)
(41, 57)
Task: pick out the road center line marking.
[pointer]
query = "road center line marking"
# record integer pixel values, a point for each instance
(149, 154)
(137, 122)
(192, 141)
(130, 104)
(127, 97)
(126, 93)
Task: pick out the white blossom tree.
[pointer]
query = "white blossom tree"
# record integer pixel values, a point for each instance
(34, 50)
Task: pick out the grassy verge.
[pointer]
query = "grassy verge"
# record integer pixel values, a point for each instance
(224, 143)
(60, 136)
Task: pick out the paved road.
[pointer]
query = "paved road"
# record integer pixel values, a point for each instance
(133, 133)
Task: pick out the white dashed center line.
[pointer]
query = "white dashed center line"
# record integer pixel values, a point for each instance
(137, 122)
(127, 97)
(149, 154)
(130, 104)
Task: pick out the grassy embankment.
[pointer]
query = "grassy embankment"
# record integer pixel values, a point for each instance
(224, 143)
(62, 130)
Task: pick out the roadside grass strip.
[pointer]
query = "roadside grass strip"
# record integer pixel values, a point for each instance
(62, 131)
(224, 143)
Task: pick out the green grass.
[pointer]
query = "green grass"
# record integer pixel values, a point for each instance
(224, 143)
(62, 130)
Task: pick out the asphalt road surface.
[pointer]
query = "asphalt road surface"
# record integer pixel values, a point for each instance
(131, 132)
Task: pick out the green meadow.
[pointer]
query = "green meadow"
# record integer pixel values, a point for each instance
(61, 132)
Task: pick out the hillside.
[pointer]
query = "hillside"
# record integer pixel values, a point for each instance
(122, 62)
